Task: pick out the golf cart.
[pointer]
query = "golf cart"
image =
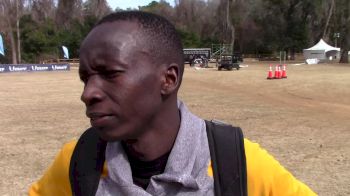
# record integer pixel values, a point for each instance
(229, 62)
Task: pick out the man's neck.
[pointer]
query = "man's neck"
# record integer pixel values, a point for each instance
(156, 142)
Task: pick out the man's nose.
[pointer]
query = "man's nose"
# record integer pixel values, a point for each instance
(92, 92)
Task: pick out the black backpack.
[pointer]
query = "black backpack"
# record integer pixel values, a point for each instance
(226, 146)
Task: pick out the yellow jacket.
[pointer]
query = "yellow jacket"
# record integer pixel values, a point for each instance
(265, 176)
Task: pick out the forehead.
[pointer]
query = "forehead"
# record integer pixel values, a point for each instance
(113, 40)
(115, 43)
(110, 34)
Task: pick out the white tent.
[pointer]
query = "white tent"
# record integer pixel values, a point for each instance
(322, 52)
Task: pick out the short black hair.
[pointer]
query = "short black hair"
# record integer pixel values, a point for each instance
(162, 37)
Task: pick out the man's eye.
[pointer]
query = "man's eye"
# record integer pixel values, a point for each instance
(111, 74)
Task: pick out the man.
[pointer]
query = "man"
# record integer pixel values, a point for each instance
(131, 64)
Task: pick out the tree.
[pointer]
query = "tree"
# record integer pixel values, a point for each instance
(284, 25)
(96, 8)
(42, 10)
(40, 40)
(191, 16)
(342, 21)
(162, 8)
(318, 16)
(41, 27)
(226, 18)
(329, 16)
(11, 11)
(67, 11)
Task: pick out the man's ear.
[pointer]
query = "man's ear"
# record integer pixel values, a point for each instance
(171, 79)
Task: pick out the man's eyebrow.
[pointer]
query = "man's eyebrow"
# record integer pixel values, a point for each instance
(113, 65)
(107, 58)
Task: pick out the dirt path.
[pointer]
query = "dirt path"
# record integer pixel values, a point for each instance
(303, 121)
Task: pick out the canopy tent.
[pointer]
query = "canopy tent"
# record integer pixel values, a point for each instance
(322, 52)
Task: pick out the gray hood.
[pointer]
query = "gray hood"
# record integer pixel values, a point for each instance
(186, 172)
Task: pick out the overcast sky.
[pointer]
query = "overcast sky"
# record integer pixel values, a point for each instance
(131, 3)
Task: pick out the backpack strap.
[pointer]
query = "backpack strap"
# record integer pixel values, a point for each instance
(86, 163)
(226, 146)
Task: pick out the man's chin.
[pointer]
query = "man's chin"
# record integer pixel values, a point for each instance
(108, 135)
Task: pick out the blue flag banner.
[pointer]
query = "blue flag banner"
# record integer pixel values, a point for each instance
(4, 68)
(1, 46)
(65, 52)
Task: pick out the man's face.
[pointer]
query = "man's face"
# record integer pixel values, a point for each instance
(121, 83)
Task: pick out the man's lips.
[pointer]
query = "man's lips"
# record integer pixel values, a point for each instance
(98, 119)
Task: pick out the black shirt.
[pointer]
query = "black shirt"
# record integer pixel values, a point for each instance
(142, 171)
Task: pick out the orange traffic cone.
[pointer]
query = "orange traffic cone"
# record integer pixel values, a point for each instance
(276, 73)
(279, 72)
(284, 72)
(269, 75)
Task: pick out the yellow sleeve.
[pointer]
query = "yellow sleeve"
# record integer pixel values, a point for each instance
(55, 181)
(266, 177)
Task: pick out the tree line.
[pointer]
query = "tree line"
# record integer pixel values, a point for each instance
(35, 30)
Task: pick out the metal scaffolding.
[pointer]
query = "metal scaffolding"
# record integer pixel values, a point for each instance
(219, 50)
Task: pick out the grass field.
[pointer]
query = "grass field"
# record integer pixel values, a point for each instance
(304, 121)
